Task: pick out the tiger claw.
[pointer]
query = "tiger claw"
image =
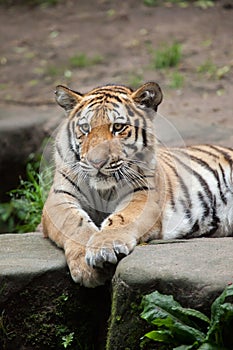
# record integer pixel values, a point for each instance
(98, 258)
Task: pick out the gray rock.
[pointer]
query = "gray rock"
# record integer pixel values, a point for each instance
(194, 271)
(25, 257)
(37, 290)
(39, 302)
(22, 132)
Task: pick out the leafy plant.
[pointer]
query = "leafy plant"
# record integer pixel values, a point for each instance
(167, 56)
(204, 4)
(188, 329)
(67, 339)
(180, 3)
(150, 2)
(23, 212)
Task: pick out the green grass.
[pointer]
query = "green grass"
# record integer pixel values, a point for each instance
(207, 67)
(204, 4)
(135, 80)
(82, 60)
(166, 57)
(54, 71)
(176, 80)
(212, 71)
(150, 2)
(23, 212)
(160, 2)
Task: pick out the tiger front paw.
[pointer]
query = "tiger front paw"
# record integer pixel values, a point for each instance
(87, 276)
(83, 274)
(100, 251)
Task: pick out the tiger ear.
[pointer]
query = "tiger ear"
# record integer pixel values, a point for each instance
(148, 95)
(67, 98)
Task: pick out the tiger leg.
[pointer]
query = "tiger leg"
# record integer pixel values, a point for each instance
(71, 229)
(123, 230)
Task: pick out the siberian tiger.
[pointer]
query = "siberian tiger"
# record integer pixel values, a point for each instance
(115, 186)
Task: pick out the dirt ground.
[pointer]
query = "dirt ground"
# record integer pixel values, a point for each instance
(115, 42)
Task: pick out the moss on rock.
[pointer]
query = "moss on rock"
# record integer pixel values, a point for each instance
(48, 315)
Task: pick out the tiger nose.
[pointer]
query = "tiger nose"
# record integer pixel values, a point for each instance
(98, 163)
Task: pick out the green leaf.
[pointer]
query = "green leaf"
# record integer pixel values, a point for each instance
(185, 347)
(208, 346)
(165, 312)
(220, 313)
(193, 313)
(160, 336)
(156, 305)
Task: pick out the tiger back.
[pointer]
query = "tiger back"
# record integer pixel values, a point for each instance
(115, 186)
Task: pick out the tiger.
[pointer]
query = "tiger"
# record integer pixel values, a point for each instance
(116, 186)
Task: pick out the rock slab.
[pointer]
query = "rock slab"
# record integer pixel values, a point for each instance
(194, 271)
(23, 130)
(41, 308)
(25, 257)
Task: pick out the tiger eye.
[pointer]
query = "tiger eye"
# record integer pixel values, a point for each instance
(118, 127)
(85, 128)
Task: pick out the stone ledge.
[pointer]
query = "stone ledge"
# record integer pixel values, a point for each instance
(34, 274)
(39, 302)
(194, 271)
(22, 132)
(25, 257)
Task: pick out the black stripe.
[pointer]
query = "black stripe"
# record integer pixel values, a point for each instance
(129, 111)
(110, 89)
(181, 181)
(129, 134)
(207, 167)
(223, 152)
(70, 137)
(136, 126)
(115, 107)
(70, 181)
(223, 175)
(108, 94)
(143, 188)
(144, 137)
(94, 102)
(195, 228)
(215, 221)
(77, 188)
(145, 176)
(200, 149)
(172, 200)
(198, 176)
(187, 211)
(204, 204)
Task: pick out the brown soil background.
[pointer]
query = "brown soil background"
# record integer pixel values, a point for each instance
(38, 42)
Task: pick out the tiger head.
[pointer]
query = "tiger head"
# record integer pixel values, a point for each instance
(112, 131)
